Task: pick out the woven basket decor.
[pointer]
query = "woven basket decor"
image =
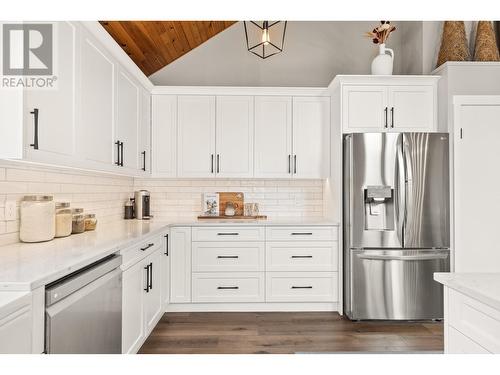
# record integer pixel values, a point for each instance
(486, 45)
(453, 43)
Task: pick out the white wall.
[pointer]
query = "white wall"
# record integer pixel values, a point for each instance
(314, 53)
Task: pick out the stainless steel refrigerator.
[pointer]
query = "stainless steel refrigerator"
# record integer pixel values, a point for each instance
(396, 224)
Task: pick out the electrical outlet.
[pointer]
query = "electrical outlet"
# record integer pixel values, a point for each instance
(10, 211)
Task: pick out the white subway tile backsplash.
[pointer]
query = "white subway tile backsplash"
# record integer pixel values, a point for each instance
(277, 198)
(105, 194)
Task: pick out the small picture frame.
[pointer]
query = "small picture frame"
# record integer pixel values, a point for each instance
(210, 204)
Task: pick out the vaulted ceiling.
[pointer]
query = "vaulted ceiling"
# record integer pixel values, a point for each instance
(154, 44)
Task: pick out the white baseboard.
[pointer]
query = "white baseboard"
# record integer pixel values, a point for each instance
(252, 307)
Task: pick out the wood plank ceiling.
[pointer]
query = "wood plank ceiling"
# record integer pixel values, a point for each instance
(155, 44)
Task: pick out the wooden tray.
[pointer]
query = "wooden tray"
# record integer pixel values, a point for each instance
(235, 217)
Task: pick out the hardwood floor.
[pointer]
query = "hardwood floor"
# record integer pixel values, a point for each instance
(290, 332)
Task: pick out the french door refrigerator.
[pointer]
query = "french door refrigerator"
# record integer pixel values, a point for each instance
(396, 224)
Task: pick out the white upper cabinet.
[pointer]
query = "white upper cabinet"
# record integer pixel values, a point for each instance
(311, 137)
(95, 131)
(196, 136)
(412, 108)
(273, 136)
(234, 136)
(127, 121)
(364, 108)
(164, 135)
(392, 103)
(54, 110)
(145, 131)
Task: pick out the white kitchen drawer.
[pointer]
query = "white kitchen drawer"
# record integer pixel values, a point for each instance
(302, 256)
(301, 233)
(228, 287)
(475, 320)
(458, 343)
(228, 234)
(133, 254)
(301, 287)
(228, 256)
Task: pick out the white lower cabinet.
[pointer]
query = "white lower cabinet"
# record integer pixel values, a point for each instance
(132, 308)
(301, 287)
(300, 256)
(22, 322)
(15, 326)
(470, 325)
(228, 287)
(221, 266)
(180, 265)
(142, 304)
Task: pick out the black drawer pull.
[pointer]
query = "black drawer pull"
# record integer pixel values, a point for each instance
(227, 256)
(147, 247)
(228, 234)
(301, 256)
(302, 287)
(166, 244)
(147, 279)
(228, 287)
(35, 133)
(301, 233)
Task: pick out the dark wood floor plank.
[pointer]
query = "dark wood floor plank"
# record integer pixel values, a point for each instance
(285, 333)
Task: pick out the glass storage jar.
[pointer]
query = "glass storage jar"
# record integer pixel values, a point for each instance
(38, 221)
(90, 222)
(78, 221)
(63, 219)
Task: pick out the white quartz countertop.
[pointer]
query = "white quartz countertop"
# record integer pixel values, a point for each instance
(24, 267)
(484, 287)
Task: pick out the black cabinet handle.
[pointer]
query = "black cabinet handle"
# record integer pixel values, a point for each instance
(289, 163)
(302, 287)
(385, 115)
(218, 163)
(121, 158)
(147, 279)
(301, 256)
(166, 245)
(228, 234)
(143, 160)
(151, 275)
(227, 256)
(228, 287)
(35, 134)
(147, 246)
(301, 233)
(212, 163)
(117, 162)
(295, 164)
(392, 117)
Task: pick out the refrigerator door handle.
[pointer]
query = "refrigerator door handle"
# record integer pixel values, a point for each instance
(404, 257)
(400, 191)
(408, 191)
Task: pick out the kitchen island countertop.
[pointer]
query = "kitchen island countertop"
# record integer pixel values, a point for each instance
(484, 287)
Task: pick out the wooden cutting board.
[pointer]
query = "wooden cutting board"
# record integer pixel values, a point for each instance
(236, 198)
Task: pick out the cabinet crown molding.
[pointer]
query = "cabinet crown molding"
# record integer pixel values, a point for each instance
(232, 90)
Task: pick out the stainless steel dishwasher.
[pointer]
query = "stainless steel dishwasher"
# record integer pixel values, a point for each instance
(83, 311)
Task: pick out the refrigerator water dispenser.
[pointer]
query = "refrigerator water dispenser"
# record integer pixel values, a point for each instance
(379, 208)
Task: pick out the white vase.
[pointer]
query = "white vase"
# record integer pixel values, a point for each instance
(383, 63)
